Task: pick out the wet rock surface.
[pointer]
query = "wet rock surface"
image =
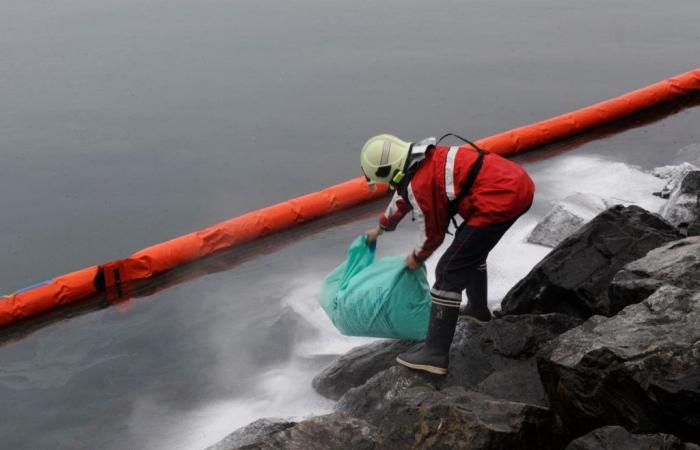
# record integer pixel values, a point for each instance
(693, 229)
(335, 431)
(423, 418)
(253, 433)
(499, 358)
(617, 438)
(371, 400)
(639, 369)
(481, 356)
(358, 366)
(574, 277)
(676, 263)
(491, 398)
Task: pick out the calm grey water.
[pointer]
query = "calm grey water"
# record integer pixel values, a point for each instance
(125, 123)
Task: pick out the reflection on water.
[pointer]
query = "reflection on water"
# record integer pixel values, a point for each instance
(125, 123)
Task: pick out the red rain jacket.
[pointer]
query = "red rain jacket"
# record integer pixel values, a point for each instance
(501, 192)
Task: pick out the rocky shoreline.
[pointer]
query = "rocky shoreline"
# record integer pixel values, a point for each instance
(598, 347)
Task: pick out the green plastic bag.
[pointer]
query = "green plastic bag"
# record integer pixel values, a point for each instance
(364, 297)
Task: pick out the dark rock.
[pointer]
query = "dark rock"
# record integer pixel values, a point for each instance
(422, 418)
(519, 382)
(519, 336)
(478, 356)
(617, 438)
(357, 366)
(573, 276)
(676, 263)
(484, 357)
(639, 369)
(332, 431)
(371, 400)
(492, 397)
(693, 229)
(253, 433)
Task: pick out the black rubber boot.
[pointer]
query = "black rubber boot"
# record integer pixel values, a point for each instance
(477, 308)
(434, 354)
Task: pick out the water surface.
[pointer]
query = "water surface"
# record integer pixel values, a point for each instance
(126, 123)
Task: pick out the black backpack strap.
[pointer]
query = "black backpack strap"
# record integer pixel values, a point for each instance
(466, 187)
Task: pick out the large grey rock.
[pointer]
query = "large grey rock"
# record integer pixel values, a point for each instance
(357, 366)
(332, 431)
(676, 263)
(693, 229)
(639, 369)
(423, 418)
(565, 218)
(371, 400)
(572, 277)
(496, 359)
(617, 438)
(683, 207)
(253, 433)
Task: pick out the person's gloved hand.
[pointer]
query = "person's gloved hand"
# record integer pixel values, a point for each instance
(412, 263)
(372, 234)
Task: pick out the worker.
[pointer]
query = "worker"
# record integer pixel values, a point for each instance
(437, 183)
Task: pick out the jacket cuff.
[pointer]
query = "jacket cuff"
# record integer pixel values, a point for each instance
(383, 224)
(419, 258)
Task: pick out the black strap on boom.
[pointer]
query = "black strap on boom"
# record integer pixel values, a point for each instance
(453, 206)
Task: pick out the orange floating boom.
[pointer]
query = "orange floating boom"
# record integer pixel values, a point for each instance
(149, 262)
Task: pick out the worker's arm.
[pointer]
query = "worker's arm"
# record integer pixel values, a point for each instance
(431, 234)
(397, 209)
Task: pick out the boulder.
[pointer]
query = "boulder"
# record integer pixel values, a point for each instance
(683, 207)
(572, 277)
(423, 418)
(336, 431)
(253, 433)
(676, 263)
(497, 358)
(357, 366)
(565, 218)
(639, 369)
(412, 414)
(693, 229)
(371, 400)
(617, 438)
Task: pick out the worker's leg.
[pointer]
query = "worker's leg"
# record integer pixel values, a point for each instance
(463, 267)
(433, 355)
(477, 295)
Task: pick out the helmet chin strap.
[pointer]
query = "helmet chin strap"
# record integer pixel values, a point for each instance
(416, 154)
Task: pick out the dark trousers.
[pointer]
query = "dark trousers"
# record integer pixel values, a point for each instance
(463, 266)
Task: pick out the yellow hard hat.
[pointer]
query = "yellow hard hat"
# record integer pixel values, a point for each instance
(383, 159)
